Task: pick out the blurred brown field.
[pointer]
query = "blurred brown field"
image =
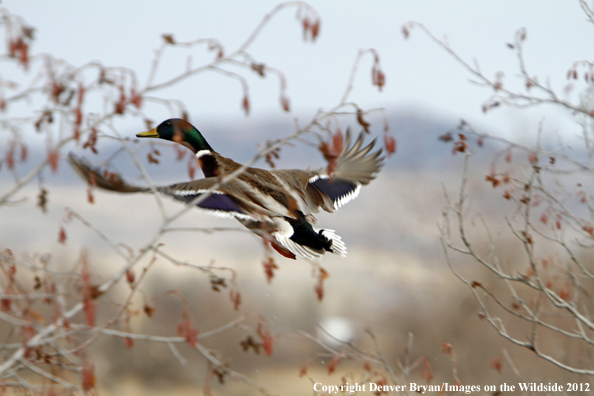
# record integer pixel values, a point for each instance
(394, 282)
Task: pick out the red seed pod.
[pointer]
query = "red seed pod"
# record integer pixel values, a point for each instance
(492, 179)
(88, 377)
(362, 121)
(77, 122)
(148, 310)
(235, 297)
(319, 288)
(24, 57)
(245, 104)
(390, 144)
(180, 152)
(337, 142)
(53, 159)
(10, 155)
(81, 94)
(380, 79)
(269, 267)
(315, 30)
(333, 363)
(405, 32)
(57, 89)
(267, 338)
(367, 366)
(285, 103)
(42, 200)
(259, 68)
(508, 156)
(24, 152)
(186, 329)
(12, 48)
(130, 277)
(120, 106)
(192, 167)
(135, 98)
(91, 141)
(152, 159)
(303, 370)
(427, 371)
(90, 311)
(168, 38)
(564, 294)
(497, 364)
(62, 236)
(446, 137)
(90, 196)
(306, 26)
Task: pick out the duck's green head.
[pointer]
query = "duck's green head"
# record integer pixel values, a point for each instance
(179, 131)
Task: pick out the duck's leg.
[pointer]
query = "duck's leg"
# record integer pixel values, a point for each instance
(283, 251)
(264, 230)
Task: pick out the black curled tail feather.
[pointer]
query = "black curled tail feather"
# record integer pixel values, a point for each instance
(305, 235)
(318, 240)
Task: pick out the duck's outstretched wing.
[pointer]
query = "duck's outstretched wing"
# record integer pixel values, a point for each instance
(102, 178)
(356, 166)
(219, 201)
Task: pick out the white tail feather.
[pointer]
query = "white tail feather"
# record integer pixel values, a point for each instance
(338, 247)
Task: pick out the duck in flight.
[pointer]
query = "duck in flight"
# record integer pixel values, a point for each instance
(277, 205)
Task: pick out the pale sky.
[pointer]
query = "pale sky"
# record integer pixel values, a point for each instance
(420, 75)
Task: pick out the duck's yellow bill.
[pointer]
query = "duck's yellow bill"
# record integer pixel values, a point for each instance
(151, 134)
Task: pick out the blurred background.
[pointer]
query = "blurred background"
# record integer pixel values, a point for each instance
(395, 280)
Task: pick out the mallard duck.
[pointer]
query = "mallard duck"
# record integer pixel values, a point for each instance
(276, 205)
